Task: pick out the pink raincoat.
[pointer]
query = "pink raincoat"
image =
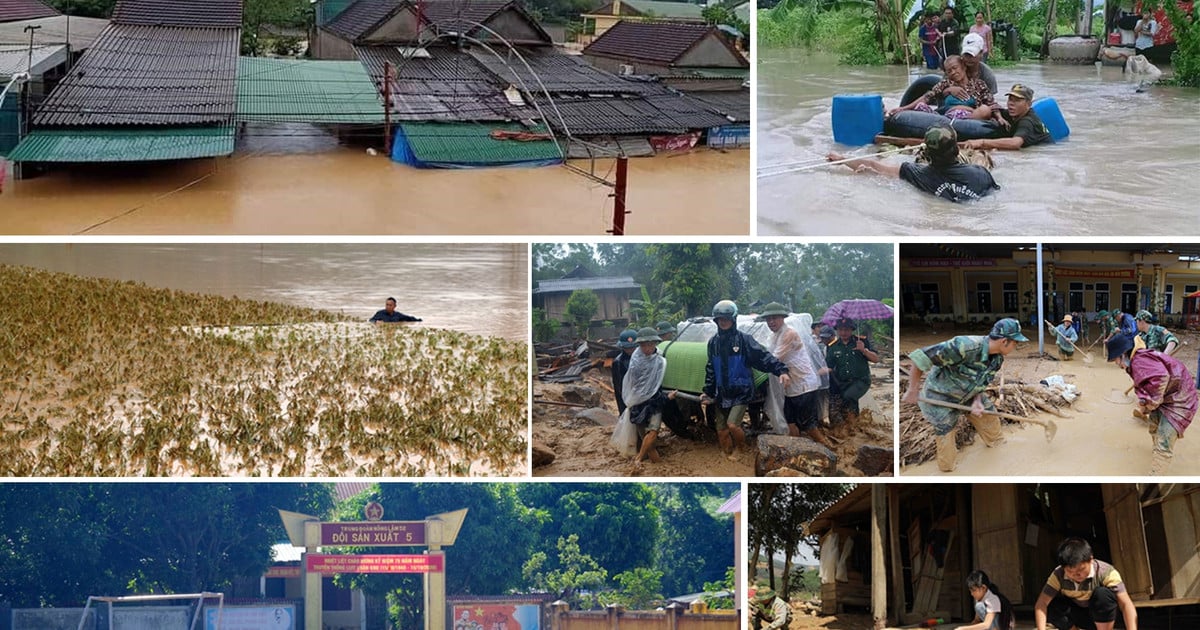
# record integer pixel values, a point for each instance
(1163, 381)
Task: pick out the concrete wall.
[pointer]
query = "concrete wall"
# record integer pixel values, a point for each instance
(151, 618)
(513, 27)
(50, 619)
(326, 45)
(403, 27)
(710, 52)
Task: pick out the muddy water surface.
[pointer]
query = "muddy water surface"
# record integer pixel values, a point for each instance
(1128, 167)
(269, 189)
(477, 288)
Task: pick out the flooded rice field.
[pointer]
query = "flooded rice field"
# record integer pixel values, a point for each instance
(269, 188)
(143, 387)
(473, 288)
(103, 377)
(1128, 167)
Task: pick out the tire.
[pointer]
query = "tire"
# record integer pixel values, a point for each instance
(918, 88)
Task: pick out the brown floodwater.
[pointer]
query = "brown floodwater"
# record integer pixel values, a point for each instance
(477, 288)
(343, 190)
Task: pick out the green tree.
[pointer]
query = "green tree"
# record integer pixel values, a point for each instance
(259, 13)
(649, 311)
(544, 328)
(1186, 58)
(84, 8)
(778, 514)
(697, 274)
(696, 545)
(722, 602)
(581, 307)
(640, 588)
(573, 573)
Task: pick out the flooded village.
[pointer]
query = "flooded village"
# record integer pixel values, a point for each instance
(398, 117)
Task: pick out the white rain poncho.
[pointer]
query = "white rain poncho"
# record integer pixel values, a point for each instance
(642, 382)
(788, 346)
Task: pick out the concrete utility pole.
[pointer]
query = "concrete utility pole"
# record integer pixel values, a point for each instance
(31, 29)
(618, 228)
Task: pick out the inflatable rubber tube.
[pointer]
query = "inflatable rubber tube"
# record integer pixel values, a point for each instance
(918, 88)
(910, 124)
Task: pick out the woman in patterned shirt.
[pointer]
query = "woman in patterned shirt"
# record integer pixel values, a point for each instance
(978, 103)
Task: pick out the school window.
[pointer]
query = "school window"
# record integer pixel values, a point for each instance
(983, 292)
(276, 588)
(1101, 296)
(1129, 297)
(929, 295)
(334, 597)
(1011, 304)
(1190, 288)
(1075, 296)
(1169, 298)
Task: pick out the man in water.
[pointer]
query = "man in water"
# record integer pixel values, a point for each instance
(973, 51)
(945, 175)
(1022, 124)
(390, 314)
(951, 32)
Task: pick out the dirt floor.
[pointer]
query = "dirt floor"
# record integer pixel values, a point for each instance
(1100, 438)
(582, 447)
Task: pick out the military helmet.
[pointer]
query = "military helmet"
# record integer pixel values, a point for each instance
(774, 308)
(627, 338)
(726, 309)
(647, 334)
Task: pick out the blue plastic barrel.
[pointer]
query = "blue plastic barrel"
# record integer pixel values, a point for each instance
(857, 118)
(1047, 110)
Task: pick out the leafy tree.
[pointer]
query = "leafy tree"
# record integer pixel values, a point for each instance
(543, 327)
(573, 574)
(724, 602)
(778, 513)
(84, 8)
(1186, 58)
(690, 549)
(697, 274)
(581, 307)
(641, 588)
(648, 311)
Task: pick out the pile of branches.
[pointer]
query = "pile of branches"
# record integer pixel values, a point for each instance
(1019, 399)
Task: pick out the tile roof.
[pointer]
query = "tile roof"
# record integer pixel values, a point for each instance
(124, 145)
(198, 13)
(688, 112)
(449, 14)
(457, 144)
(14, 10)
(659, 42)
(448, 86)
(559, 73)
(306, 90)
(149, 75)
(360, 18)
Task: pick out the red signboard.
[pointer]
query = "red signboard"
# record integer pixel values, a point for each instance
(283, 572)
(951, 262)
(1119, 274)
(374, 563)
(373, 533)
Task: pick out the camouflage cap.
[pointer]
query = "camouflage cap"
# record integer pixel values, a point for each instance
(1144, 315)
(1021, 91)
(1103, 313)
(1008, 328)
(941, 139)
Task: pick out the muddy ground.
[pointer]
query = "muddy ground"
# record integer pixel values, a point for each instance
(582, 447)
(1100, 438)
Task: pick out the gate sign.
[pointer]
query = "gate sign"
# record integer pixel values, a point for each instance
(374, 533)
(375, 563)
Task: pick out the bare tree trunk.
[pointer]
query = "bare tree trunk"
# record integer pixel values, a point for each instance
(1051, 27)
(786, 580)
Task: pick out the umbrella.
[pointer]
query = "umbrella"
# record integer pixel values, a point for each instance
(857, 309)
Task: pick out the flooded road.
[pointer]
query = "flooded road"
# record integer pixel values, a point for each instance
(478, 288)
(342, 190)
(1128, 167)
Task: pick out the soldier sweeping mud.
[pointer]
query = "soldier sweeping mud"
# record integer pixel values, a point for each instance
(959, 370)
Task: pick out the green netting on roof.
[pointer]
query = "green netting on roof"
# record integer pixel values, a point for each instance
(306, 90)
(472, 144)
(124, 145)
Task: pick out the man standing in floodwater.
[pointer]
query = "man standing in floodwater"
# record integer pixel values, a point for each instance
(390, 314)
(951, 32)
(959, 371)
(728, 379)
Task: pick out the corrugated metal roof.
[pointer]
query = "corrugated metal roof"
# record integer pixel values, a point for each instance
(80, 31)
(653, 8)
(602, 116)
(196, 13)
(15, 58)
(688, 112)
(304, 90)
(149, 75)
(471, 143)
(124, 145)
(727, 103)
(658, 42)
(574, 284)
(448, 86)
(13, 10)
(362, 17)
(558, 72)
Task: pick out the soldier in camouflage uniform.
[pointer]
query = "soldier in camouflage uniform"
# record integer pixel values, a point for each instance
(1105, 324)
(959, 371)
(1155, 336)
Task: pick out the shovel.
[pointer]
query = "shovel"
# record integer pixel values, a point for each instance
(1049, 425)
(1087, 358)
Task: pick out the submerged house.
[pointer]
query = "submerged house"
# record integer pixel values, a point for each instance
(610, 13)
(932, 535)
(695, 56)
(481, 83)
(158, 83)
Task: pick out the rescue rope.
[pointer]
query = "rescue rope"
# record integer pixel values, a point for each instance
(804, 165)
